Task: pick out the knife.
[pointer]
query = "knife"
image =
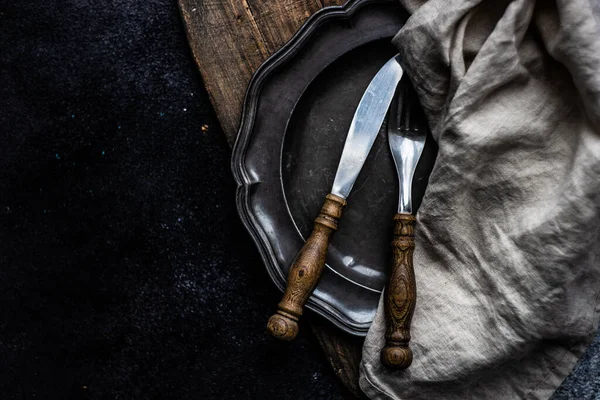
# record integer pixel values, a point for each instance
(407, 130)
(306, 270)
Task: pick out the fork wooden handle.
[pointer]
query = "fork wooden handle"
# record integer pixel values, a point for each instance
(305, 272)
(400, 295)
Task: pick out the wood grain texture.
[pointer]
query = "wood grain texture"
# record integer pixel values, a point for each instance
(228, 46)
(306, 271)
(400, 295)
(230, 39)
(343, 352)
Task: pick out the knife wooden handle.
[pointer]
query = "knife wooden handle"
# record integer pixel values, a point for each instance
(305, 272)
(400, 295)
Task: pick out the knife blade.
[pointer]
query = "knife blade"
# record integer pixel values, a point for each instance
(407, 130)
(307, 268)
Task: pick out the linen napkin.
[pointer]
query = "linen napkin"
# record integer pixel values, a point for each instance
(507, 236)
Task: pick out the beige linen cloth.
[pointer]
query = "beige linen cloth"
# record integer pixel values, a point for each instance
(507, 256)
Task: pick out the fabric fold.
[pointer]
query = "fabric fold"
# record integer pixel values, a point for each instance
(508, 234)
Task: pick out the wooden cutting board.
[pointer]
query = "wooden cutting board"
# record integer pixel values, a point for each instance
(230, 39)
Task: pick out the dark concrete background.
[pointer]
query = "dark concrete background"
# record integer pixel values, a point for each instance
(125, 272)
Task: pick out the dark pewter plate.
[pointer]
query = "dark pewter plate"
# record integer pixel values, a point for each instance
(297, 112)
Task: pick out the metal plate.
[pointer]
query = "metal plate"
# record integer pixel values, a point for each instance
(298, 109)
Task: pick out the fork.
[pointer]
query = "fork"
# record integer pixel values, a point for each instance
(407, 130)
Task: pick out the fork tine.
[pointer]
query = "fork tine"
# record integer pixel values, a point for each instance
(405, 111)
(394, 112)
(414, 117)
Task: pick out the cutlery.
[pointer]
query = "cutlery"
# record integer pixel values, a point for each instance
(307, 268)
(407, 129)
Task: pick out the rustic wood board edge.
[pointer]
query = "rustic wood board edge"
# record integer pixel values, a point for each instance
(240, 35)
(343, 351)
